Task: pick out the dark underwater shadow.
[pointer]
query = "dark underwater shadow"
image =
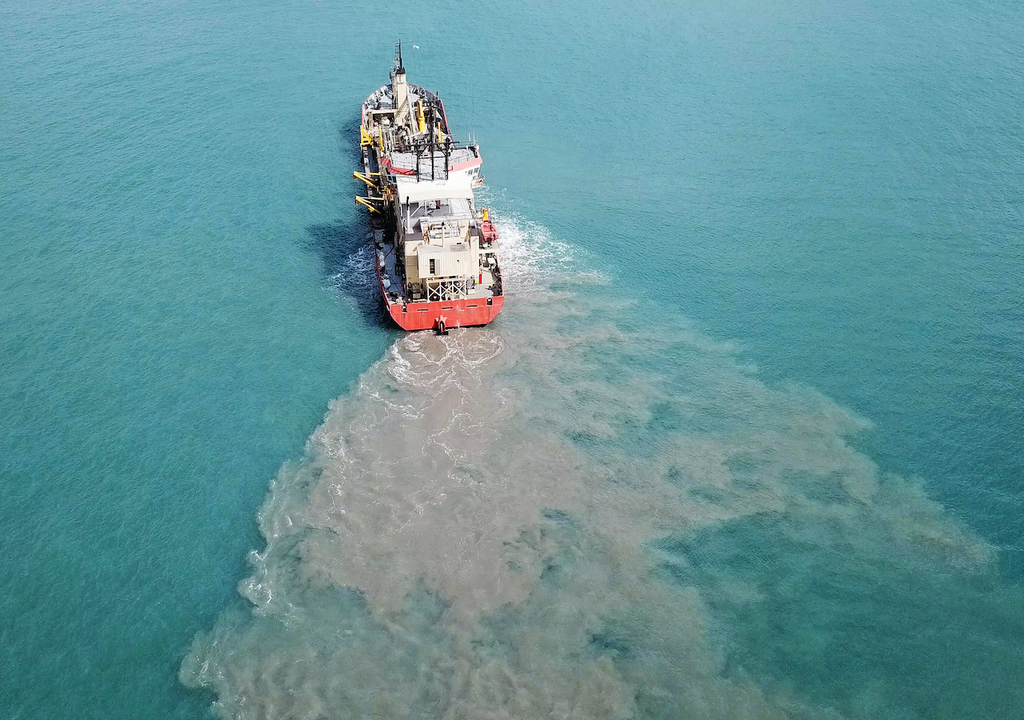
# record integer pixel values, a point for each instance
(343, 246)
(346, 256)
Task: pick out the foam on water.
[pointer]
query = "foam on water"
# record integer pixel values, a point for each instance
(516, 521)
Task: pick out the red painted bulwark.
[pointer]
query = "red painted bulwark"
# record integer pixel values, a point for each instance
(468, 164)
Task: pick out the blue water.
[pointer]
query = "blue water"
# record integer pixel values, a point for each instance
(745, 441)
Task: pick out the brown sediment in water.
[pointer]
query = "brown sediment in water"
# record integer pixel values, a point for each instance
(473, 531)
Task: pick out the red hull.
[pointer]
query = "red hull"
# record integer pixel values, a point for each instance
(455, 313)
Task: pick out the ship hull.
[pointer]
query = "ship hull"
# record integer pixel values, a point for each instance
(430, 240)
(454, 313)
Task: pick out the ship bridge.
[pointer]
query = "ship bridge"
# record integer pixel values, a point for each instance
(425, 203)
(441, 238)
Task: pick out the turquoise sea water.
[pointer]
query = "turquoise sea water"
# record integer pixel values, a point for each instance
(746, 441)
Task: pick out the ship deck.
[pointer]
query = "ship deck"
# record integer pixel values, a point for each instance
(393, 287)
(431, 165)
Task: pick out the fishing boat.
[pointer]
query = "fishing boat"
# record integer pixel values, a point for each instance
(436, 251)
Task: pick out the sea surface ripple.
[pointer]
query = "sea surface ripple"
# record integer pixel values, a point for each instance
(745, 441)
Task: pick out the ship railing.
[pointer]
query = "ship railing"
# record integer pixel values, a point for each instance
(447, 289)
(427, 216)
(443, 230)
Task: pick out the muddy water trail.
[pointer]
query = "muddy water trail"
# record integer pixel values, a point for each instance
(571, 513)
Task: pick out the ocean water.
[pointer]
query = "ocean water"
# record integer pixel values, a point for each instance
(745, 441)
